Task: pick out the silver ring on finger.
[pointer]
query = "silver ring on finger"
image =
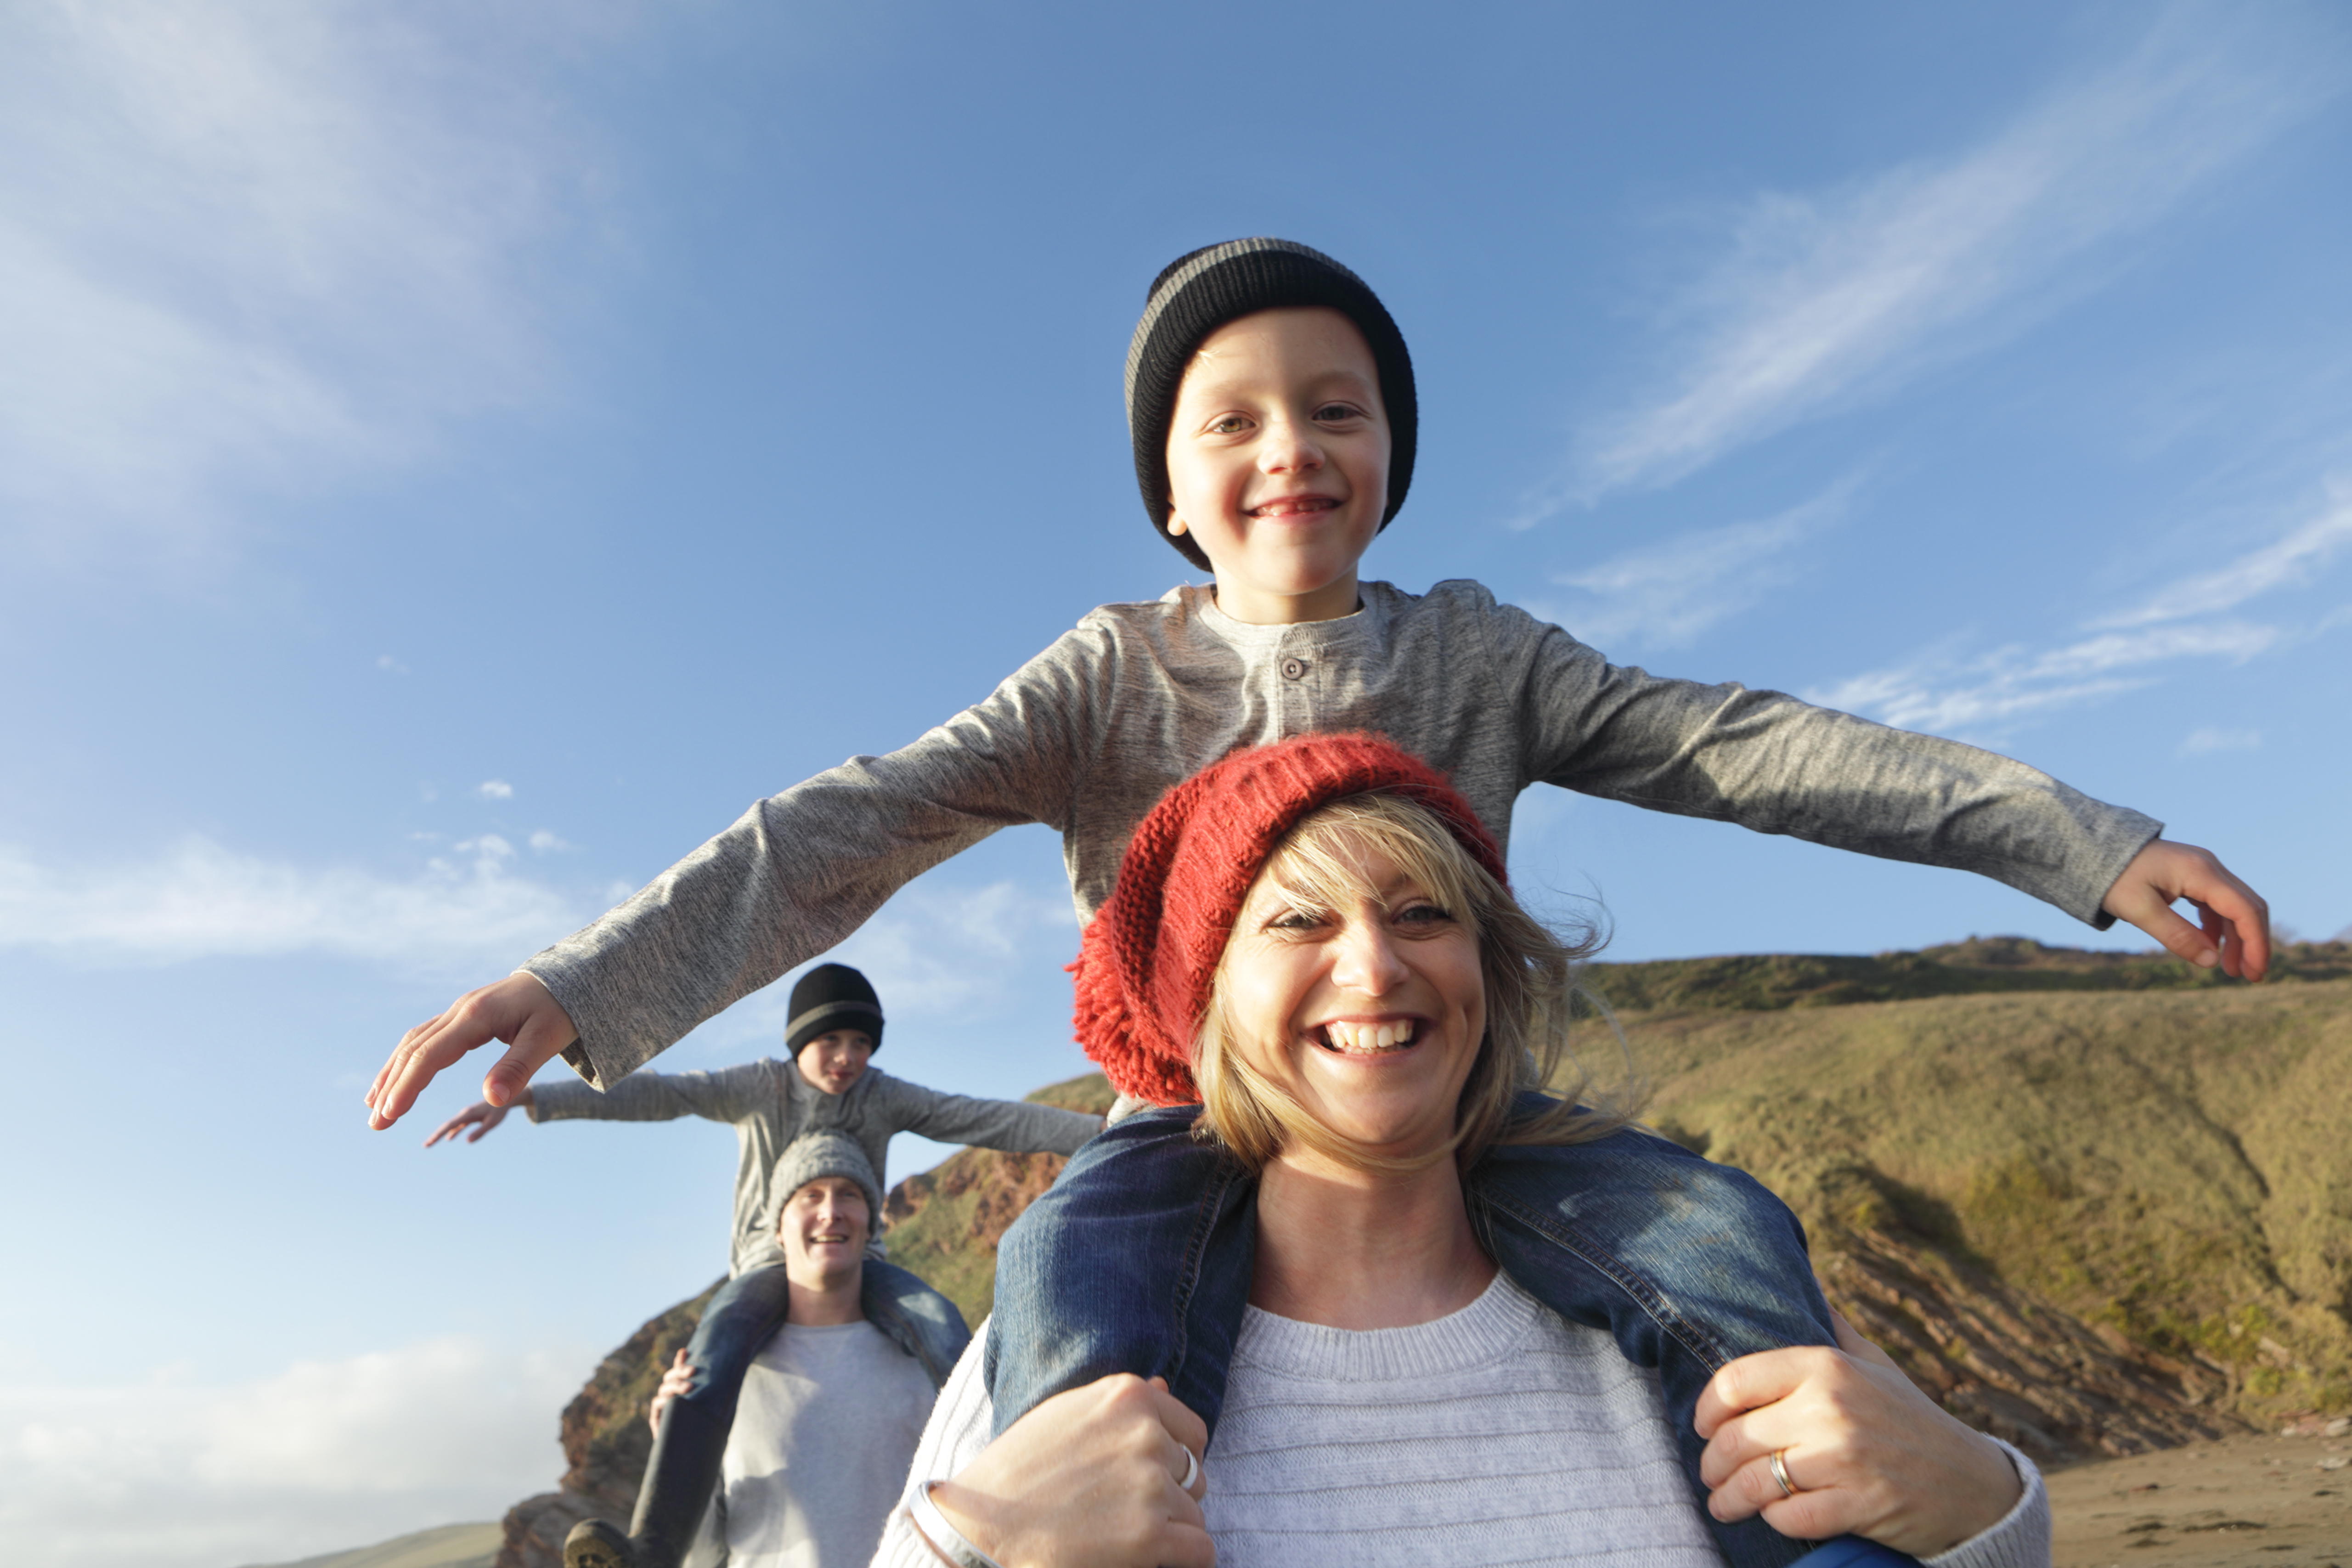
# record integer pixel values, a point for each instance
(1191, 1469)
(1780, 1475)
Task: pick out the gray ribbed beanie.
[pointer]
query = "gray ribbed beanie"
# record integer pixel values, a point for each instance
(825, 1155)
(1201, 291)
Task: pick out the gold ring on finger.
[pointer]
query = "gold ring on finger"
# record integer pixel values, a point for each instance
(1781, 1474)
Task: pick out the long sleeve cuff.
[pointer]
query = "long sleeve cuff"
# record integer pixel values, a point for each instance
(2020, 1538)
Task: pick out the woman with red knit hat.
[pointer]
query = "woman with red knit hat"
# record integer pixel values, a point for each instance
(1416, 1331)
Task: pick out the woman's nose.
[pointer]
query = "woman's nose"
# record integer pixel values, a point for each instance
(1367, 960)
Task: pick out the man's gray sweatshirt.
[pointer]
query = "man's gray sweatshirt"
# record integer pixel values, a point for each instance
(770, 1104)
(1088, 735)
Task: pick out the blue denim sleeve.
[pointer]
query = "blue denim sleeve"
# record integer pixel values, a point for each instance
(1136, 1260)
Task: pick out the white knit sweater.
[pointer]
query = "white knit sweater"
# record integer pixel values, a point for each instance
(1501, 1434)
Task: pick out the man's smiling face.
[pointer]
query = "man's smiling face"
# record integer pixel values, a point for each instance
(1279, 462)
(823, 1229)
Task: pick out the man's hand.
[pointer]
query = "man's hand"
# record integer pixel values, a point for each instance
(2233, 927)
(517, 1011)
(677, 1378)
(481, 1116)
(1865, 1452)
(1088, 1480)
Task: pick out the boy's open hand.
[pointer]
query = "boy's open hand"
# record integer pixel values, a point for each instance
(2233, 927)
(517, 1011)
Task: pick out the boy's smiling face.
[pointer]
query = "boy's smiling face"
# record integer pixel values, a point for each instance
(1279, 462)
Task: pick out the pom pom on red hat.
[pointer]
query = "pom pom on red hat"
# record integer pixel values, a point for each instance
(1149, 954)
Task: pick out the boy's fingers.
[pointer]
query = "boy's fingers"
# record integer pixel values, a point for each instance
(2234, 928)
(418, 1058)
(542, 1041)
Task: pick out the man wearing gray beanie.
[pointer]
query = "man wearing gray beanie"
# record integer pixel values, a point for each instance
(824, 1085)
(835, 1400)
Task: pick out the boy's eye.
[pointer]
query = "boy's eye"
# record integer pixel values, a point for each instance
(1337, 412)
(1231, 424)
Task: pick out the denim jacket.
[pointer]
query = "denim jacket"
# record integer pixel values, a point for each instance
(1138, 1259)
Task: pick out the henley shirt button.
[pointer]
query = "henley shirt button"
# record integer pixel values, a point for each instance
(1292, 669)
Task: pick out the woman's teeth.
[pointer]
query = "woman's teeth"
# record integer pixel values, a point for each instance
(1366, 1039)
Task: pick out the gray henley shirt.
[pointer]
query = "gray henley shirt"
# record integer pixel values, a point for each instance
(1085, 738)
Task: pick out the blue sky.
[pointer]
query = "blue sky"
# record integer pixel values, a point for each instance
(453, 459)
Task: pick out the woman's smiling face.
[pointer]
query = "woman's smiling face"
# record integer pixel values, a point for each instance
(1368, 1014)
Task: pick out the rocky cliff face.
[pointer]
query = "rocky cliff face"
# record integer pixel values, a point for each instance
(2110, 1216)
(606, 1442)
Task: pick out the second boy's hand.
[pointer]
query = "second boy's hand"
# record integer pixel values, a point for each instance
(2233, 932)
(517, 1010)
(2234, 924)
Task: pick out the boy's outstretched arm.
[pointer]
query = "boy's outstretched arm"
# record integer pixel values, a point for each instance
(2233, 927)
(517, 1011)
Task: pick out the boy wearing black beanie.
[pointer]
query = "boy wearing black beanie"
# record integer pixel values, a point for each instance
(834, 1025)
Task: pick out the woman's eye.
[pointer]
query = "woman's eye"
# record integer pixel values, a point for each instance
(1423, 915)
(1296, 920)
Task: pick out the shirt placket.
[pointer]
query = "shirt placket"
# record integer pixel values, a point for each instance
(1294, 676)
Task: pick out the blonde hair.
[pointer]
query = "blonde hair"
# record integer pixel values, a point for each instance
(1529, 977)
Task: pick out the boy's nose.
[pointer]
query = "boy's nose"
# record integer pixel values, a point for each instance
(1288, 449)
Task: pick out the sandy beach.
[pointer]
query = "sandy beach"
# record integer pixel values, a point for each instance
(2281, 1501)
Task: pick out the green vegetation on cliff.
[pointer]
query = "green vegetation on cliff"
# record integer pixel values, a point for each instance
(1771, 981)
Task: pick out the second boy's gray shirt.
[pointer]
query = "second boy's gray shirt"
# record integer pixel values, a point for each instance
(1088, 735)
(770, 1104)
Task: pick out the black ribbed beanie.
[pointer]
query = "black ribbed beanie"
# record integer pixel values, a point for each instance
(1201, 291)
(832, 996)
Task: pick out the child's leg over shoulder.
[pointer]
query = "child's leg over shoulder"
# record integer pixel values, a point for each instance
(1136, 1260)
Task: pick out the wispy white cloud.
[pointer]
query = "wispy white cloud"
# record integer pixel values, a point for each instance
(1952, 692)
(2290, 562)
(495, 789)
(1668, 596)
(205, 901)
(1831, 297)
(253, 246)
(323, 1456)
(939, 951)
(946, 949)
(1954, 695)
(2203, 741)
(547, 843)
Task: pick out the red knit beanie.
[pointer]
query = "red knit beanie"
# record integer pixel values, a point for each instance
(1148, 957)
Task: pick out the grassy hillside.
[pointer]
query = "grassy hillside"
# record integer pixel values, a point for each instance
(2172, 1166)
(1772, 980)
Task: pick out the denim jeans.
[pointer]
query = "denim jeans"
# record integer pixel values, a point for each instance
(1139, 1260)
(751, 1308)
